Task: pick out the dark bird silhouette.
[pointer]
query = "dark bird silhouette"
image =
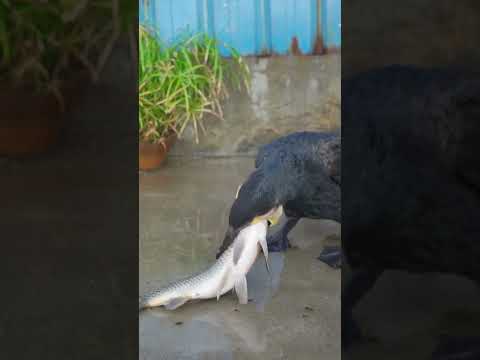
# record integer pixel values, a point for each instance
(301, 172)
(411, 189)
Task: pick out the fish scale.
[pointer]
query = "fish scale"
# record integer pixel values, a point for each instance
(221, 277)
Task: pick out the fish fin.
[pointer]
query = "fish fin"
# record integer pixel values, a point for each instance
(175, 303)
(222, 284)
(264, 246)
(242, 290)
(238, 246)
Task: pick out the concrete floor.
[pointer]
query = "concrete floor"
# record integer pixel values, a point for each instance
(183, 216)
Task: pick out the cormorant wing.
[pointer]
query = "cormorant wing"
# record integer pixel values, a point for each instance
(320, 149)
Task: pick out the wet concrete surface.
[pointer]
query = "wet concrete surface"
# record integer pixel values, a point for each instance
(295, 314)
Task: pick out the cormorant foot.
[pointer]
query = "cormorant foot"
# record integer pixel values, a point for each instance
(456, 348)
(332, 256)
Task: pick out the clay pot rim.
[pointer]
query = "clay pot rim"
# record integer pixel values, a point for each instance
(153, 155)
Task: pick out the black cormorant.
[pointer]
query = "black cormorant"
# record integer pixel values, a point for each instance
(411, 189)
(300, 171)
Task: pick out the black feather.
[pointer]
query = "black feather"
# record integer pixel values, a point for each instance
(300, 171)
(411, 198)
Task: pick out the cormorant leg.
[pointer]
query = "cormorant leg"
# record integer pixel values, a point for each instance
(332, 256)
(279, 240)
(360, 283)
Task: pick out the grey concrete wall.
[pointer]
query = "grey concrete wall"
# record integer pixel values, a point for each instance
(420, 32)
(290, 93)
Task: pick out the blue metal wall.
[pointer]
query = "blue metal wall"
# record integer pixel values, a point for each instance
(253, 27)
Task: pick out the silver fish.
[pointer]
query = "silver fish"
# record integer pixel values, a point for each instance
(228, 272)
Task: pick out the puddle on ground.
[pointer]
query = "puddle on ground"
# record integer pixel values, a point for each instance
(295, 310)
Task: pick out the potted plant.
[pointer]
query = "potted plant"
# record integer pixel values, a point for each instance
(178, 84)
(46, 48)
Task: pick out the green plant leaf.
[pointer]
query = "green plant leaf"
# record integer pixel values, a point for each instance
(181, 82)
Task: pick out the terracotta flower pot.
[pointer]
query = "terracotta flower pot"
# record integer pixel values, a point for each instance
(32, 122)
(151, 156)
(29, 123)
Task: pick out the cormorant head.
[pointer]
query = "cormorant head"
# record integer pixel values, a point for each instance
(265, 189)
(257, 199)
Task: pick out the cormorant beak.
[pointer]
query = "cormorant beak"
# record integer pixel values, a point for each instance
(238, 190)
(272, 217)
(275, 216)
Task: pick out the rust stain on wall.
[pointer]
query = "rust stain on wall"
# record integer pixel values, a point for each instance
(318, 46)
(294, 48)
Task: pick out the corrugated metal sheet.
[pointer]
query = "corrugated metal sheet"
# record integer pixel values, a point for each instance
(253, 27)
